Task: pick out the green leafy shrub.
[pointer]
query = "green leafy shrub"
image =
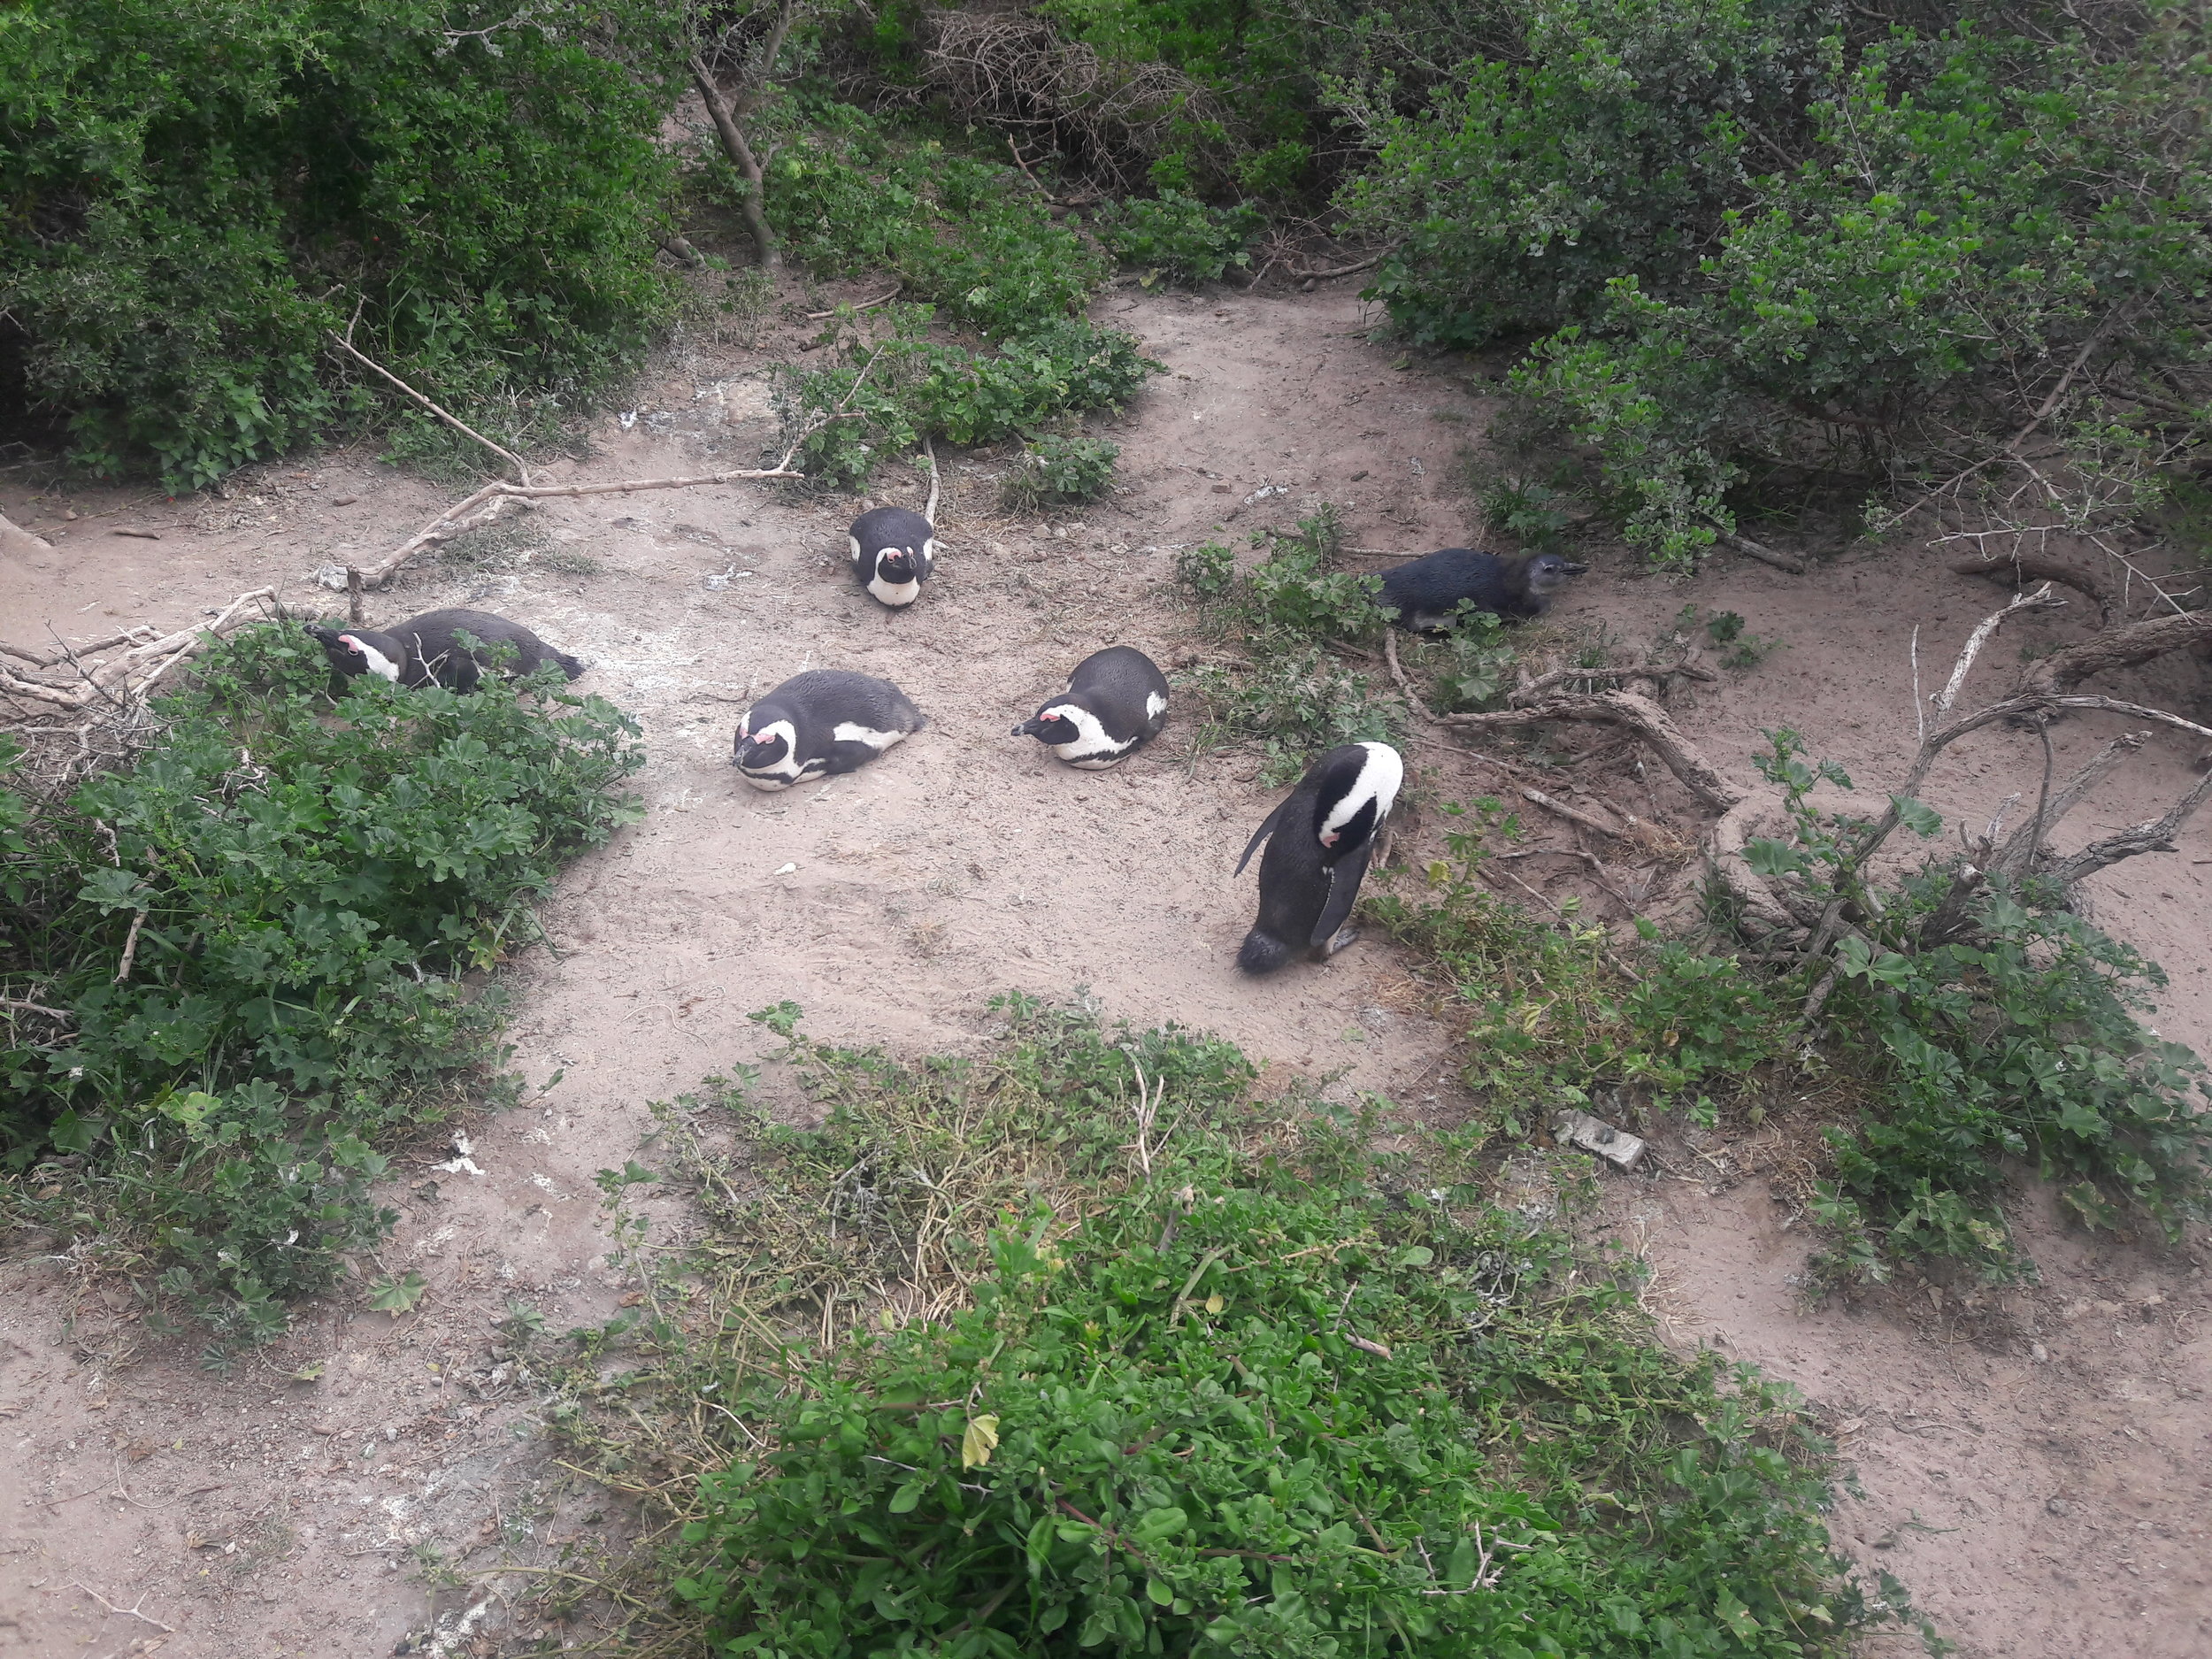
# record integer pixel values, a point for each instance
(1257, 1390)
(906, 387)
(199, 196)
(299, 892)
(1178, 236)
(1550, 1013)
(1056, 469)
(1292, 701)
(1766, 250)
(2020, 1040)
(972, 237)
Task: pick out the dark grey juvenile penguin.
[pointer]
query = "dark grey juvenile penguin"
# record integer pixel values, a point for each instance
(1424, 592)
(1115, 700)
(426, 650)
(1324, 834)
(818, 724)
(893, 550)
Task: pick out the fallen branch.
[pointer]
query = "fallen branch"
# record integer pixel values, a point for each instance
(2025, 567)
(1758, 550)
(123, 1612)
(858, 305)
(345, 344)
(929, 510)
(2156, 836)
(36, 1008)
(2126, 647)
(1573, 815)
(129, 675)
(1544, 683)
(1627, 708)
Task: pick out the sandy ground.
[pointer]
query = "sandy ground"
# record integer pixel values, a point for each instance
(2034, 1467)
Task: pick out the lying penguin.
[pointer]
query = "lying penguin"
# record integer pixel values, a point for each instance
(1324, 834)
(894, 551)
(1115, 700)
(821, 723)
(1425, 592)
(426, 650)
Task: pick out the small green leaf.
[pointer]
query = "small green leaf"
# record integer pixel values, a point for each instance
(396, 1293)
(1922, 821)
(903, 1500)
(1415, 1256)
(1159, 1591)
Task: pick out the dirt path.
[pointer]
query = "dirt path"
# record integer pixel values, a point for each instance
(257, 1514)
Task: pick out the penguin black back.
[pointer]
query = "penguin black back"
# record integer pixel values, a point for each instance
(1424, 592)
(893, 552)
(1115, 700)
(821, 723)
(426, 650)
(1319, 841)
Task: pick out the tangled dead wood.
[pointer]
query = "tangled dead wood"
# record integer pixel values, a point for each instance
(1810, 918)
(1013, 70)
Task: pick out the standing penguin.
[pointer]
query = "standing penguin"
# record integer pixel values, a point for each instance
(426, 650)
(1324, 834)
(1115, 700)
(1425, 593)
(893, 550)
(818, 724)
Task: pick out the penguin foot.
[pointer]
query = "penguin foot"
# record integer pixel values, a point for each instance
(1344, 936)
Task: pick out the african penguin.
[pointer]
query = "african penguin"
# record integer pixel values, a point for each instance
(426, 650)
(1115, 700)
(818, 724)
(894, 551)
(1323, 833)
(1425, 593)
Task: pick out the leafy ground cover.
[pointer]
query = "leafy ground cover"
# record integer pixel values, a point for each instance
(240, 966)
(1080, 1346)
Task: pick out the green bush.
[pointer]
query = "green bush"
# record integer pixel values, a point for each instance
(972, 237)
(300, 891)
(1760, 249)
(907, 386)
(198, 195)
(1054, 469)
(2019, 1040)
(1178, 236)
(1256, 1390)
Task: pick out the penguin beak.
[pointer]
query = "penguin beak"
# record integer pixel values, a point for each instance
(1572, 569)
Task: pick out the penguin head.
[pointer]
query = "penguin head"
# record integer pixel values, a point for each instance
(1358, 788)
(896, 565)
(1053, 724)
(360, 652)
(1549, 574)
(765, 756)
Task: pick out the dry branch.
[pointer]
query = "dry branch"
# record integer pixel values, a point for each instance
(345, 344)
(1758, 550)
(1627, 708)
(2126, 647)
(2025, 567)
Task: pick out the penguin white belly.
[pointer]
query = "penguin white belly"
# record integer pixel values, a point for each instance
(851, 732)
(1093, 750)
(1155, 705)
(904, 593)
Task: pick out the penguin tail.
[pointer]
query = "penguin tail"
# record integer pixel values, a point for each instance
(568, 664)
(1263, 953)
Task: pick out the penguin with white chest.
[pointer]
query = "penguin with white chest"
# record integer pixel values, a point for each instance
(1115, 701)
(894, 551)
(1324, 834)
(819, 723)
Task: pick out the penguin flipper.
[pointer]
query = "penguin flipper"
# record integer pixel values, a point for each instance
(1268, 826)
(1344, 879)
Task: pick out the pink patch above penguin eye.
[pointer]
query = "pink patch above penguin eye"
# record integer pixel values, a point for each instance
(1328, 838)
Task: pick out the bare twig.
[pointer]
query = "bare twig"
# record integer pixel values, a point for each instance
(858, 305)
(355, 612)
(345, 344)
(125, 1612)
(1758, 550)
(1573, 815)
(930, 450)
(2041, 599)
(29, 1007)
(130, 947)
(1405, 686)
